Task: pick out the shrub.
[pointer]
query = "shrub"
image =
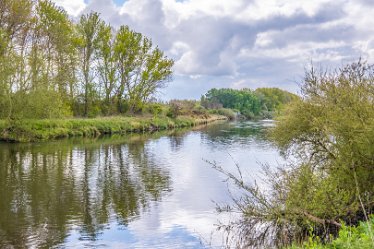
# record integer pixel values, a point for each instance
(329, 135)
(154, 108)
(229, 113)
(181, 107)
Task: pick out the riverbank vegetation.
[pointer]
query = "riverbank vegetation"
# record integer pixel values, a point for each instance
(32, 130)
(53, 67)
(350, 237)
(330, 133)
(260, 103)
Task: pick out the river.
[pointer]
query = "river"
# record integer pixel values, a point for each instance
(134, 191)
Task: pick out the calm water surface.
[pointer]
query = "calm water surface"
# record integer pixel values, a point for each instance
(139, 191)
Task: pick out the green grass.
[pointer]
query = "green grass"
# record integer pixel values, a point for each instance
(360, 237)
(48, 129)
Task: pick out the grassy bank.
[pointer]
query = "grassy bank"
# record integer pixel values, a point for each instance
(49, 129)
(360, 237)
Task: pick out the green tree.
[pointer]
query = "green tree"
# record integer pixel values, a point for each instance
(274, 99)
(127, 49)
(142, 69)
(88, 30)
(243, 100)
(263, 102)
(52, 75)
(15, 22)
(154, 72)
(106, 65)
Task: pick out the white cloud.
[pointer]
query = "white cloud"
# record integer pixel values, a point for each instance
(178, 11)
(263, 9)
(187, 63)
(263, 40)
(179, 48)
(73, 7)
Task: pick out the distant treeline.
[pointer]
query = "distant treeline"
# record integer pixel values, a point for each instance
(51, 66)
(263, 102)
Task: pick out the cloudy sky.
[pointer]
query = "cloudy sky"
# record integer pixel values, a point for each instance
(243, 43)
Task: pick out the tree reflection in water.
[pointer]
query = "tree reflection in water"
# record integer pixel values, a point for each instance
(140, 191)
(46, 188)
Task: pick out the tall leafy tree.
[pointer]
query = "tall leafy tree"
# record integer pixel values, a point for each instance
(142, 69)
(15, 23)
(157, 71)
(106, 64)
(59, 31)
(50, 58)
(88, 30)
(126, 48)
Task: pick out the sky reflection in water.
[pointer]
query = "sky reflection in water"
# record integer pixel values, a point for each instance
(139, 191)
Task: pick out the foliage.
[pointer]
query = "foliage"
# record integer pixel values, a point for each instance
(52, 67)
(155, 109)
(349, 237)
(229, 113)
(331, 131)
(142, 69)
(243, 100)
(263, 102)
(330, 180)
(186, 108)
(274, 99)
(88, 30)
(40, 103)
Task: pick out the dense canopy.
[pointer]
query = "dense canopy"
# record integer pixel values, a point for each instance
(51, 66)
(263, 102)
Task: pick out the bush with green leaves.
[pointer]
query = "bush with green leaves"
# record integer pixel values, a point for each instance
(329, 135)
(154, 108)
(185, 108)
(229, 113)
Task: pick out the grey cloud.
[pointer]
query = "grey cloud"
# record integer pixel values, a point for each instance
(184, 87)
(209, 38)
(329, 12)
(262, 71)
(313, 33)
(366, 2)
